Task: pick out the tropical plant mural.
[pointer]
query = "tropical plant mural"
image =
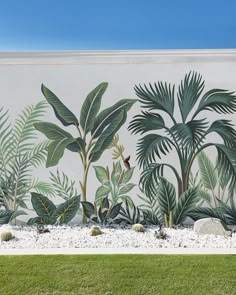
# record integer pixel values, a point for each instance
(96, 129)
(19, 156)
(173, 121)
(162, 132)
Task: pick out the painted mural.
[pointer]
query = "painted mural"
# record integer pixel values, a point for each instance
(172, 119)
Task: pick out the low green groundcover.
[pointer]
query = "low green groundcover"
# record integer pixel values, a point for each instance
(118, 274)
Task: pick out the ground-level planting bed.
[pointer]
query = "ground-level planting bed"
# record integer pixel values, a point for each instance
(27, 237)
(117, 274)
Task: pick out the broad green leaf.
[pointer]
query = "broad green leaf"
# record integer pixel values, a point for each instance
(41, 220)
(102, 191)
(226, 163)
(204, 195)
(88, 209)
(128, 199)
(61, 111)
(77, 145)
(5, 216)
(106, 117)
(106, 137)
(91, 107)
(204, 212)
(115, 211)
(128, 175)
(56, 151)
(17, 213)
(125, 189)
(118, 167)
(42, 205)
(101, 174)
(52, 131)
(66, 211)
(207, 171)
(187, 201)
(166, 196)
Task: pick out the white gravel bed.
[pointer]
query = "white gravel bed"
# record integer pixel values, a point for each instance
(73, 237)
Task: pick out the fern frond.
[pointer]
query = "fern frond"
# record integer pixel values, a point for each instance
(37, 156)
(64, 187)
(24, 130)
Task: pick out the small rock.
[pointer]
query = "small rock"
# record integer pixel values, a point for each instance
(211, 226)
(139, 228)
(95, 231)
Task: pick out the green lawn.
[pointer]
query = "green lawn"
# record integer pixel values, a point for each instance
(117, 274)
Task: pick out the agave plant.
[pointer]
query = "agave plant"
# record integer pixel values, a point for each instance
(188, 136)
(19, 156)
(95, 129)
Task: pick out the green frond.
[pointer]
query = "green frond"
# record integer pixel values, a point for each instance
(207, 171)
(146, 122)
(189, 135)
(38, 155)
(5, 139)
(205, 212)
(43, 188)
(166, 196)
(217, 100)
(225, 129)
(64, 187)
(151, 146)
(189, 92)
(226, 163)
(159, 96)
(23, 132)
(150, 178)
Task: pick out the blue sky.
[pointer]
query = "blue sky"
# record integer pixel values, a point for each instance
(120, 24)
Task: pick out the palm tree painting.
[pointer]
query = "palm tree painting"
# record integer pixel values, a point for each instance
(162, 133)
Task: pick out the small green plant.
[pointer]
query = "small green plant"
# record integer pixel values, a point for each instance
(137, 227)
(48, 213)
(95, 129)
(115, 185)
(130, 215)
(95, 231)
(6, 235)
(104, 213)
(175, 210)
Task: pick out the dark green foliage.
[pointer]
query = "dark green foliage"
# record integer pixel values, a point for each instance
(188, 136)
(100, 126)
(103, 213)
(114, 184)
(130, 214)
(48, 213)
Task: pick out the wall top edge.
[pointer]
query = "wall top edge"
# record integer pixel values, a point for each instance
(115, 56)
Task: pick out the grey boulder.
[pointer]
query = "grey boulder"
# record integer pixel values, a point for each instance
(211, 226)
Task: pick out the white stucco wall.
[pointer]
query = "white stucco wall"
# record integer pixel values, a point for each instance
(71, 75)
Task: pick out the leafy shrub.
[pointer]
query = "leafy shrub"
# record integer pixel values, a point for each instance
(115, 184)
(48, 213)
(103, 213)
(130, 214)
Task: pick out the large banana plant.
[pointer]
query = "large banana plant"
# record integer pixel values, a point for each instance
(19, 156)
(95, 129)
(186, 137)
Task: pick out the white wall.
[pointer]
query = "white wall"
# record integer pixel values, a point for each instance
(71, 75)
